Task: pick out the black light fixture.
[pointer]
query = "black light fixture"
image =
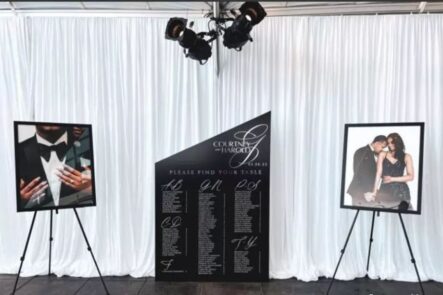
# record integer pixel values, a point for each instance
(195, 46)
(175, 27)
(235, 36)
(238, 33)
(254, 10)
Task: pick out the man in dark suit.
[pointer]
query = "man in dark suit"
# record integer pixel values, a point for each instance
(53, 168)
(365, 168)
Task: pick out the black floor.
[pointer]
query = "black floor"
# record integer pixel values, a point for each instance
(127, 285)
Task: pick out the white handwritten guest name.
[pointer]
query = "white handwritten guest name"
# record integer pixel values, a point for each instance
(245, 242)
(207, 185)
(173, 185)
(170, 222)
(249, 186)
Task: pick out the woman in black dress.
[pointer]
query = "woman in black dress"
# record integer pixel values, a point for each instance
(391, 165)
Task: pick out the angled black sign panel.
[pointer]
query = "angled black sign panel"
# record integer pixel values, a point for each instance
(212, 207)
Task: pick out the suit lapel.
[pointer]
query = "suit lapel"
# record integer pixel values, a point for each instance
(371, 159)
(34, 163)
(35, 167)
(70, 161)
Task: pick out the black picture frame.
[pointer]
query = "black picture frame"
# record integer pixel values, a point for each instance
(421, 125)
(17, 165)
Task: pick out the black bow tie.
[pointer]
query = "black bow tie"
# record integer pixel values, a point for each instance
(45, 150)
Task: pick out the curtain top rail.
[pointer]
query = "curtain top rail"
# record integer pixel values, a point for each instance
(315, 10)
(167, 14)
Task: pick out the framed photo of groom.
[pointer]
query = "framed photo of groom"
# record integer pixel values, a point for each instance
(54, 166)
(382, 167)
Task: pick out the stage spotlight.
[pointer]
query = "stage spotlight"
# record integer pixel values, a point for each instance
(197, 47)
(187, 38)
(238, 33)
(175, 27)
(201, 51)
(255, 11)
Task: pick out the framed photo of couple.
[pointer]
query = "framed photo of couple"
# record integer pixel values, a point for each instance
(54, 166)
(382, 167)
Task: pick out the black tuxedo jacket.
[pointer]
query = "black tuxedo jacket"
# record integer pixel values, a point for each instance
(365, 169)
(30, 167)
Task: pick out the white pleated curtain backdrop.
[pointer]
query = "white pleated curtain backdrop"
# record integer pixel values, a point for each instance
(146, 102)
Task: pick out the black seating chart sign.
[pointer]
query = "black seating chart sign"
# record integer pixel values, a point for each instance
(212, 208)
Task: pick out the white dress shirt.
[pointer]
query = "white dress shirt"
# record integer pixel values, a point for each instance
(51, 166)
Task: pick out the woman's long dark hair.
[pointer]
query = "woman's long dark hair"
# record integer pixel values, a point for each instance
(399, 146)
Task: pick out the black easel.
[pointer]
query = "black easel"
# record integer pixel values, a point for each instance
(370, 245)
(343, 250)
(22, 258)
(50, 245)
(412, 254)
(90, 251)
(371, 239)
(24, 252)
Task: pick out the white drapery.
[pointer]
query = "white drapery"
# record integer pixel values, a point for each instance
(146, 102)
